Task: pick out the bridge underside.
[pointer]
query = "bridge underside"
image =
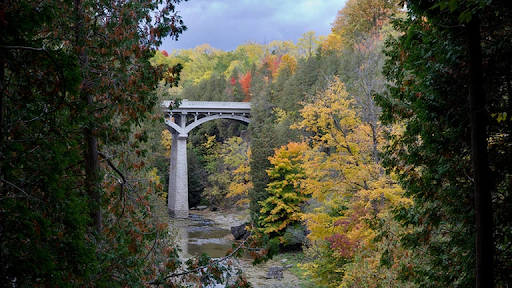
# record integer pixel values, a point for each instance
(181, 121)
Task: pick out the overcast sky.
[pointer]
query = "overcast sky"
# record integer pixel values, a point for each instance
(226, 24)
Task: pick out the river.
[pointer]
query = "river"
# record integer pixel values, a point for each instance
(198, 235)
(209, 232)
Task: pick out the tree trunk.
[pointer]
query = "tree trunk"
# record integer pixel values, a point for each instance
(91, 175)
(2, 78)
(90, 141)
(481, 172)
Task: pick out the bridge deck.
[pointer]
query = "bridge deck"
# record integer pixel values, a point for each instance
(209, 106)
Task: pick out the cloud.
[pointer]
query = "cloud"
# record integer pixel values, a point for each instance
(226, 24)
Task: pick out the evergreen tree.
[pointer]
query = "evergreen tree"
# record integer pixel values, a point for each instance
(75, 77)
(436, 157)
(262, 140)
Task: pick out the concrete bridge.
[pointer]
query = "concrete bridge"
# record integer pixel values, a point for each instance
(180, 122)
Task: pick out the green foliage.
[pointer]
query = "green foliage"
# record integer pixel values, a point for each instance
(428, 66)
(227, 164)
(295, 259)
(197, 176)
(432, 171)
(262, 145)
(74, 82)
(211, 89)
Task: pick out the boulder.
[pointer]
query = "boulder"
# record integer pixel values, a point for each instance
(240, 232)
(275, 272)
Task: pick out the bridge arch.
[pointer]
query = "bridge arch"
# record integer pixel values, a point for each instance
(189, 127)
(180, 122)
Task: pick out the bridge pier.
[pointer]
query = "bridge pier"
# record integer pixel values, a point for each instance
(178, 178)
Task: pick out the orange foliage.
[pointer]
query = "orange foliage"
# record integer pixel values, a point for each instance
(273, 63)
(245, 81)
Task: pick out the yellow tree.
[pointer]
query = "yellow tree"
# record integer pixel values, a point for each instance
(237, 156)
(253, 52)
(308, 43)
(280, 48)
(349, 187)
(282, 209)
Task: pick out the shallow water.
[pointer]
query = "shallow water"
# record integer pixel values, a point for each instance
(198, 236)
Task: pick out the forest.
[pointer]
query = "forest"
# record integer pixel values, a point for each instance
(380, 152)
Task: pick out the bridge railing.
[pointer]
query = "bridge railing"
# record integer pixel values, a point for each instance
(209, 104)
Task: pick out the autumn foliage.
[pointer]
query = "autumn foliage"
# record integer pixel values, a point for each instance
(282, 209)
(245, 81)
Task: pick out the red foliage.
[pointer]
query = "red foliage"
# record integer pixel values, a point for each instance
(245, 81)
(165, 53)
(342, 244)
(232, 81)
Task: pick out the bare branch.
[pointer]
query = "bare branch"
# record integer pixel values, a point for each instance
(22, 191)
(22, 48)
(155, 282)
(121, 183)
(113, 167)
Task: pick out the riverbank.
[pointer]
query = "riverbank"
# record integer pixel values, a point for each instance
(255, 274)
